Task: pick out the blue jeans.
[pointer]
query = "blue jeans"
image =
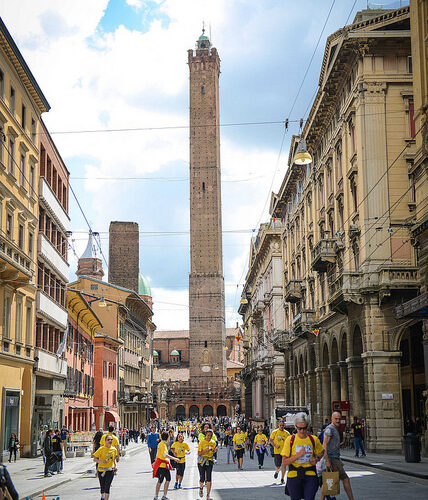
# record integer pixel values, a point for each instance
(229, 451)
(306, 489)
(358, 443)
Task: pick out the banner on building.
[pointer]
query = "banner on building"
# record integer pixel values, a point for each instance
(61, 347)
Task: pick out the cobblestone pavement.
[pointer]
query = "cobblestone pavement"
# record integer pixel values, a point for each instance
(134, 480)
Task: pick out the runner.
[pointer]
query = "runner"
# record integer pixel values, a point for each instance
(239, 446)
(106, 457)
(277, 439)
(302, 451)
(180, 450)
(162, 467)
(260, 442)
(206, 449)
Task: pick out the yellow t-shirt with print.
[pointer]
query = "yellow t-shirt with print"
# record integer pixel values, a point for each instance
(109, 454)
(115, 441)
(298, 445)
(260, 440)
(212, 445)
(162, 453)
(179, 450)
(278, 437)
(239, 439)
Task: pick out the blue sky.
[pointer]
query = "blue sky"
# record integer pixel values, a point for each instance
(113, 64)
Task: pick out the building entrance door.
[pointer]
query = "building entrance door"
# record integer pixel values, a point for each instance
(11, 403)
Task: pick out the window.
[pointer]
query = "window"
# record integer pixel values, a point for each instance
(412, 119)
(22, 170)
(30, 244)
(104, 368)
(409, 64)
(18, 319)
(33, 129)
(6, 316)
(21, 236)
(11, 151)
(31, 180)
(114, 397)
(203, 89)
(356, 255)
(352, 134)
(23, 116)
(354, 194)
(1, 84)
(12, 100)
(94, 287)
(29, 325)
(107, 398)
(9, 226)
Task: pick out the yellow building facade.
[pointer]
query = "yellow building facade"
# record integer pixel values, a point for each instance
(21, 105)
(347, 249)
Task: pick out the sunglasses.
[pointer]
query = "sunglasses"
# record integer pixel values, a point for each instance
(109, 439)
(301, 428)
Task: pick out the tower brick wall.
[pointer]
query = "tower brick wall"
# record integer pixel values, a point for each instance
(124, 256)
(206, 282)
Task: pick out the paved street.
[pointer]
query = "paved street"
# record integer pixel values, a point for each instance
(134, 481)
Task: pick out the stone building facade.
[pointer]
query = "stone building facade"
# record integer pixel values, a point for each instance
(347, 252)
(262, 313)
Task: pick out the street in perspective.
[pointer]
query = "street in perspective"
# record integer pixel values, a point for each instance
(213, 250)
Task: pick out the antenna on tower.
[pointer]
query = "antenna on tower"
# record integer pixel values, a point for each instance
(203, 27)
(210, 32)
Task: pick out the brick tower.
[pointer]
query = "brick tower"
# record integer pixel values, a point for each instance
(206, 282)
(124, 256)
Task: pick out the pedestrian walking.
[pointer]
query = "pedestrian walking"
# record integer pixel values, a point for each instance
(180, 449)
(331, 446)
(357, 429)
(153, 440)
(106, 457)
(239, 446)
(171, 439)
(47, 451)
(228, 442)
(206, 449)
(57, 449)
(162, 467)
(301, 452)
(277, 439)
(259, 444)
(97, 440)
(13, 446)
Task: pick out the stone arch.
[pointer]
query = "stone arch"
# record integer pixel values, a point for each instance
(325, 355)
(334, 351)
(180, 412)
(194, 411)
(207, 411)
(357, 341)
(221, 411)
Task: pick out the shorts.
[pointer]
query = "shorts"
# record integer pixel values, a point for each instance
(278, 460)
(240, 452)
(337, 466)
(205, 471)
(163, 473)
(179, 468)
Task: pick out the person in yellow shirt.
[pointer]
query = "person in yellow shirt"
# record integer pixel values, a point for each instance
(106, 457)
(162, 467)
(302, 451)
(180, 449)
(259, 444)
(206, 449)
(115, 439)
(277, 439)
(239, 446)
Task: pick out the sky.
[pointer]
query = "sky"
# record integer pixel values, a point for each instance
(105, 65)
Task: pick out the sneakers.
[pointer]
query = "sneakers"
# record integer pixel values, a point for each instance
(179, 486)
(260, 466)
(228, 463)
(156, 498)
(48, 474)
(276, 475)
(282, 481)
(175, 486)
(165, 498)
(201, 492)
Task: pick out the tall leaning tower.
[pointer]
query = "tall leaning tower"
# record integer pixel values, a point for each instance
(206, 282)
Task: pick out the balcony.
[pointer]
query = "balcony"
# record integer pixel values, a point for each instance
(323, 254)
(293, 291)
(280, 340)
(304, 321)
(50, 363)
(48, 198)
(50, 309)
(344, 289)
(52, 257)
(15, 264)
(399, 277)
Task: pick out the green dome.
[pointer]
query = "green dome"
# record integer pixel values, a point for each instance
(155, 353)
(143, 286)
(175, 353)
(203, 37)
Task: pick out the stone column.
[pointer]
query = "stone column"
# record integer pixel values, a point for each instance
(356, 386)
(326, 392)
(253, 397)
(301, 389)
(382, 391)
(306, 389)
(318, 410)
(344, 392)
(259, 397)
(335, 382)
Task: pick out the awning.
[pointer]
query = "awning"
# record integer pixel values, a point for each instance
(112, 416)
(154, 414)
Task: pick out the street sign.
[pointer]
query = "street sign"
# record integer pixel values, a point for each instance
(341, 405)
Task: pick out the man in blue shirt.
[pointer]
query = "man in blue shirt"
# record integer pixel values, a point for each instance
(153, 440)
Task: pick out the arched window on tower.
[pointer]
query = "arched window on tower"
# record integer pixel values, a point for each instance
(203, 89)
(203, 187)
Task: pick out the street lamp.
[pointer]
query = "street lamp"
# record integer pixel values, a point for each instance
(302, 156)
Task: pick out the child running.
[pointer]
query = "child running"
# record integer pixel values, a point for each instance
(180, 450)
(206, 449)
(162, 467)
